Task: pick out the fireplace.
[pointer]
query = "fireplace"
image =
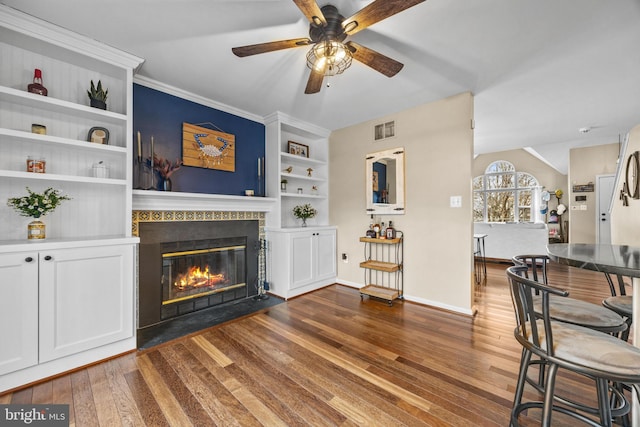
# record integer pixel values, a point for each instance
(186, 266)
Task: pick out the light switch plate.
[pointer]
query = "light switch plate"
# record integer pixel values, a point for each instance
(455, 201)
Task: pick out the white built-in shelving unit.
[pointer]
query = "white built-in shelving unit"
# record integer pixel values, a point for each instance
(280, 129)
(99, 207)
(68, 300)
(301, 259)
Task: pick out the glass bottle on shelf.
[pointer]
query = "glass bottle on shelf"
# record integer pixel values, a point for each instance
(390, 232)
(36, 87)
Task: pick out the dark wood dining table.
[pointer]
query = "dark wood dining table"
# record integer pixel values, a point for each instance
(616, 259)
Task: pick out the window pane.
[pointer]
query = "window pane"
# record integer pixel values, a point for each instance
(500, 181)
(477, 183)
(478, 206)
(500, 206)
(500, 166)
(524, 198)
(526, 181)
(524, 214)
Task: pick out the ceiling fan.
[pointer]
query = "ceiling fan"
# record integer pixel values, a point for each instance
(327, 31)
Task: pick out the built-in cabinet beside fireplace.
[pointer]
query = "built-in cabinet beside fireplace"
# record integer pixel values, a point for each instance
(301, 259)
(63, 307)
(305, 261)
(80, 307)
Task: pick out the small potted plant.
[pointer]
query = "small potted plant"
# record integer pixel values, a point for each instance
(98, 96)
(304, 212)
(35, 205)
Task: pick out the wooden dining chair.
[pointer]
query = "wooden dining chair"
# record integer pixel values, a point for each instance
(593, 354)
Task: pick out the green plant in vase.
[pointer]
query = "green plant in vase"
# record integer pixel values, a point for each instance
(304, 212)
(98, 95)
(36, 205)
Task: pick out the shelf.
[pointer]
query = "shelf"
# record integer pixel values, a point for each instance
(301, 177)
(300, 159)
(63, 178)
(380, 292)
(175, 200)
(72, 143)
(381, 241)
(388, 267)
(303, 196)
(28, 99)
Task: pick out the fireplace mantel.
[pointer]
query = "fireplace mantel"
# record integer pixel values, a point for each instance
(149, 200)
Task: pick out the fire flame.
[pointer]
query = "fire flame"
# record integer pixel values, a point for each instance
(197, 278)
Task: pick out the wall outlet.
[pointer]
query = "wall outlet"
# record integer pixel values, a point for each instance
(583, 207)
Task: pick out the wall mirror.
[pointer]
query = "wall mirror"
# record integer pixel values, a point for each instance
(632, 183)
(385, 182)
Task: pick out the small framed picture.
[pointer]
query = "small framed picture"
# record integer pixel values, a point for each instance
(298, 149)
(98, 135)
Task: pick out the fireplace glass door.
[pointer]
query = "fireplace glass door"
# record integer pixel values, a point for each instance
(198, 273)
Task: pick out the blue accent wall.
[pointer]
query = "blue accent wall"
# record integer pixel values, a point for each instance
(161, 115)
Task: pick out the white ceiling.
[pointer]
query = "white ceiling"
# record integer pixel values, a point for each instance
(539, 69)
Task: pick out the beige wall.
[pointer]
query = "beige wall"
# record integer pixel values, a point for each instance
(438, 142)
(584, 165)
(625, 220)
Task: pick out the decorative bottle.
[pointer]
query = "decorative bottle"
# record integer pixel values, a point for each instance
(36, 86)
(391, 232)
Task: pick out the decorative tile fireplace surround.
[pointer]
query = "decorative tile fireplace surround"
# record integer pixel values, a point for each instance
(194, 223)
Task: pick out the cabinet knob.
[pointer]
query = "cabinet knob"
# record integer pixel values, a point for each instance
(48, 258)
(28, 259)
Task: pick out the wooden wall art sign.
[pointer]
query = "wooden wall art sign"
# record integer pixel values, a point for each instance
(208, 148)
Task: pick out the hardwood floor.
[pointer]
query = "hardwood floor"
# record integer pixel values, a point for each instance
(324, 359)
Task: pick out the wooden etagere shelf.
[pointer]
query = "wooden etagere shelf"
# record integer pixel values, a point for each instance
(383, 269)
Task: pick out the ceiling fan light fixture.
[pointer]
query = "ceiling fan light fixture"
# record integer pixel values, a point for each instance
(331, 56)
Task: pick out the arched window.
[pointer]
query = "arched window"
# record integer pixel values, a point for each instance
(504, 195)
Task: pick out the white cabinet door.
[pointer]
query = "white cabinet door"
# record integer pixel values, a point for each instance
(86, 299)
(325, 255)
(303, 262)
(18, 311)
(314, 256)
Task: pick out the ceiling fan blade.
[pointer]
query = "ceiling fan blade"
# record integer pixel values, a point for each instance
(375, 12)
(312, 11)
(255, 49)
(379, 62)
(314, 84)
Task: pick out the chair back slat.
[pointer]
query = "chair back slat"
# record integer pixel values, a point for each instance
(621, 284)
(537, 266)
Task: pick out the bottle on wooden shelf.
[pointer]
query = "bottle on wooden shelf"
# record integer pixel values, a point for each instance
(37, 87)
(376, 228)
(390, 231)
